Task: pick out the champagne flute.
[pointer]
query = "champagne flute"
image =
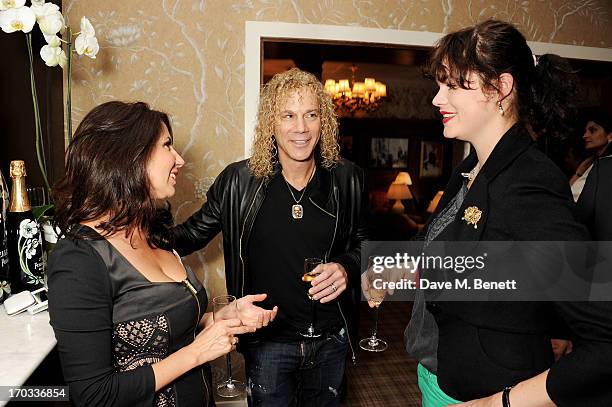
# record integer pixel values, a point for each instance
(309, 274)
(376, 296)
(224, 307)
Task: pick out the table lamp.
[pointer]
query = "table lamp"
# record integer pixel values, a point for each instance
(403, 178)
(398, 192)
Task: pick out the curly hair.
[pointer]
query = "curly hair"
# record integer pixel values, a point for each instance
(273, 95)
(113, 140)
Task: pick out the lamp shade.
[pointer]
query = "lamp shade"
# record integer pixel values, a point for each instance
(330, 86)
(370, 84)
(434, 202)
(344, 85)
(330, 83)
(403, 178)
(399, 191)
(359, 89)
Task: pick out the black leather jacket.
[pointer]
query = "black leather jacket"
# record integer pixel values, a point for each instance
(233, 202)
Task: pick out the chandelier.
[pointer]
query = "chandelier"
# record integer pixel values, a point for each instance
(356, 97)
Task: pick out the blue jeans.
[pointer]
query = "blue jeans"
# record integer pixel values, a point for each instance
(305, 373)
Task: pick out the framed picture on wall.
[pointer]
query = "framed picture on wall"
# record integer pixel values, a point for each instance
(432, 159)
(388, 152)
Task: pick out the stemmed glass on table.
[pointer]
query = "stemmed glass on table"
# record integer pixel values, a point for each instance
(376, 296)
(309, 274)
(227, 303)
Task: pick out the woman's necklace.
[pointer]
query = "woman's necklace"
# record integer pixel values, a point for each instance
(472, 174)
(297, 210)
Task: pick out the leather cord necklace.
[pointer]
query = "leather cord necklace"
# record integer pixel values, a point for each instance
(297, 210)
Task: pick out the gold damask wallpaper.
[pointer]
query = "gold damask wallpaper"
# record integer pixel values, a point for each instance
(186, 57)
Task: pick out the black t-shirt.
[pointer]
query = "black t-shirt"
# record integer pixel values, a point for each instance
(277, 247)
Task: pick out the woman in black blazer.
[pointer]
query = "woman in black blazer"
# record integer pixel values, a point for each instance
(492, 94)
(597, 140)
(595, 202)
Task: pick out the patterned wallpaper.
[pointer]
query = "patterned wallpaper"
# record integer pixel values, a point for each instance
(187, 57)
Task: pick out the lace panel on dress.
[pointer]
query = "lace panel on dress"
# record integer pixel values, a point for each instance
(143, 342)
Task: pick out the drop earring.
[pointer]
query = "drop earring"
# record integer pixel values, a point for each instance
(500, 108)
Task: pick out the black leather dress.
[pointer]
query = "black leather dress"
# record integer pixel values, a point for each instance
(112, 324)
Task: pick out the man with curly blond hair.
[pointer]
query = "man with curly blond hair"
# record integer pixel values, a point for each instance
(294, 199)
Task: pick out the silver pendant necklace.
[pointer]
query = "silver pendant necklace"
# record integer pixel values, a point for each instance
(297, 210)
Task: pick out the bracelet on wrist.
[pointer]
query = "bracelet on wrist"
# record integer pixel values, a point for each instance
(506, 397)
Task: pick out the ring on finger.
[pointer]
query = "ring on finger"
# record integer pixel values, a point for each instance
(333, 286)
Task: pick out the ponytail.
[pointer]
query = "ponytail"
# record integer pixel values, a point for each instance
(552, 109)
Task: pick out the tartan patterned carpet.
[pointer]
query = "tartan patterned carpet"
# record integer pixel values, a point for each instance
(385, 379)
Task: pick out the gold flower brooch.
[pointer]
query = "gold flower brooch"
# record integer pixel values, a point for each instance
(472, 215)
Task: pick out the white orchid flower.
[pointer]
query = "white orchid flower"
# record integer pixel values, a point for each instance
(49, 18)
(28, 228)
(17, 19)
(30, 248)
(40, 9)
(37, 7)
(87, 45)
(53, 56)
(7, 4)
(53, 40)
(63, 60)
(86, 28)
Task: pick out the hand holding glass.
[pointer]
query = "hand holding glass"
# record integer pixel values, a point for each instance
(310, 264)
(224, 307)
(374, 296)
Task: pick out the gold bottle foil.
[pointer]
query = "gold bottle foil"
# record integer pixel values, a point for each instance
(19, 197)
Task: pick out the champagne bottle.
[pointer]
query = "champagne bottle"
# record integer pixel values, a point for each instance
(5, 280)
(24, 238)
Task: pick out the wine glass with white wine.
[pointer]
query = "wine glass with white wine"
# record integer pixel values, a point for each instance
(375, 296)
(224, 307)
(310, 264)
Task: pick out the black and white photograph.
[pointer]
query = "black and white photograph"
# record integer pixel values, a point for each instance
(432, 154)
(389, 152)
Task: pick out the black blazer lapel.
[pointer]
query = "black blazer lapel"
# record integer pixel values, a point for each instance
(476, 202)
(452, 188)
(456, 181)
(471, 219)
(585, 207)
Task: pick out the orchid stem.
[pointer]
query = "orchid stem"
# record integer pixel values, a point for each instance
(69, 95)
(40, 151)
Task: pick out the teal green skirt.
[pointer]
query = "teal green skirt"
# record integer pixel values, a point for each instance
(432, 394)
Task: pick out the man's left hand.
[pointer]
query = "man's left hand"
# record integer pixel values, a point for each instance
(330, 283)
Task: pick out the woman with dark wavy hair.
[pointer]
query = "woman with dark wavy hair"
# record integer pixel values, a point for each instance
(130, 319)
(493, 93)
